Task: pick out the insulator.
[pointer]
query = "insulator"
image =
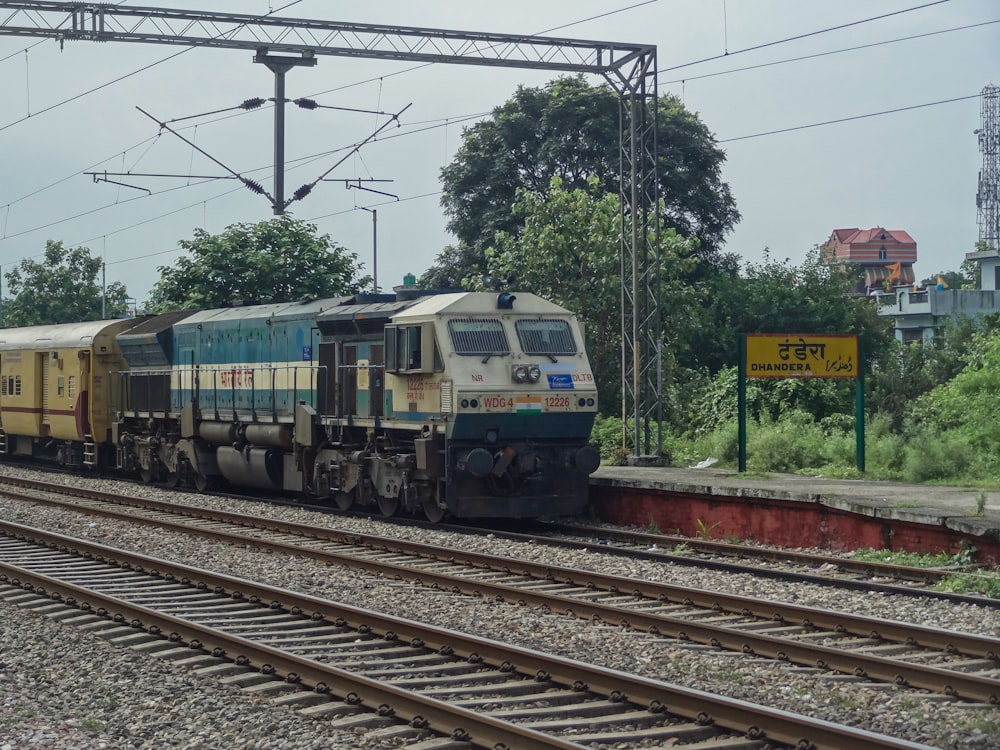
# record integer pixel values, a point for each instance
(306, 103)
(252, 103)
(254, 186)
(302, 192)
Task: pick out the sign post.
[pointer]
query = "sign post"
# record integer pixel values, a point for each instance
(805, 355)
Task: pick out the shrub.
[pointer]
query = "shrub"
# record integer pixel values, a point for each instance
(941, 456)
(789, 445)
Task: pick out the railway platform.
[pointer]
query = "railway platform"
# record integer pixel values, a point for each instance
(800, 511)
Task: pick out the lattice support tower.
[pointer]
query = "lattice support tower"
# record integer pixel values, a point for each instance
(630, 69)
(988, 194)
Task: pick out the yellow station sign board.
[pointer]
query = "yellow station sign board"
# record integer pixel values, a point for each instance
(793, 355)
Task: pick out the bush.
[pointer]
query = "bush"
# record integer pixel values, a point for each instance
(789, 445)
(607, 436)
(937, 457)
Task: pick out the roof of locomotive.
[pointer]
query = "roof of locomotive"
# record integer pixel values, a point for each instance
(480, 303)
(276, 311)
(61, 335)
(154, 325)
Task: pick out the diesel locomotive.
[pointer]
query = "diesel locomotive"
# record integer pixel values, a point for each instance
(477, 405)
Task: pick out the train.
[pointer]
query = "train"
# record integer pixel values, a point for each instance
(442, 404)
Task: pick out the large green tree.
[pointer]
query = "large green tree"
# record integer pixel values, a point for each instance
(568, 252)
(569, 129)
(775, 297)
(64, 288)
(279, 260)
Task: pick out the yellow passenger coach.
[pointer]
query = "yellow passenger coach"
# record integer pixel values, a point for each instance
(54, 389)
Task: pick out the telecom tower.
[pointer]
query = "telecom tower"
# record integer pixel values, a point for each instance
(988, 195)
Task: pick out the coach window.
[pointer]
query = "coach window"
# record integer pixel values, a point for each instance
(17, 385)
(61, 386)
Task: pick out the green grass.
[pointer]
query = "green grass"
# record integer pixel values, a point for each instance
(986, 583)
(909, 559)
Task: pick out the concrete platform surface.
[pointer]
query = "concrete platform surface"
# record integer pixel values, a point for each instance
(969, 510)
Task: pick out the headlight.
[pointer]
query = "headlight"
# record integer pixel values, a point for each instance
(520, 374)
(534, 373)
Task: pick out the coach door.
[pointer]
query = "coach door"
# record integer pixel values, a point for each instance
(363, 379)
(326, 386)
(349, 379)
(46, 360)
(376, 379)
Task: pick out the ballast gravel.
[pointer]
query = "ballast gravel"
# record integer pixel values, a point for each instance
(63, 689)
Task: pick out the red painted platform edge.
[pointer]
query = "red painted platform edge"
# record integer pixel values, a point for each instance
(784, 523)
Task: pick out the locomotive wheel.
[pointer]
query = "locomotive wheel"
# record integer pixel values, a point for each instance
(172, 479)
(147, 475)
(201, 483)
(434, 513)
(343, 500)
(388, 506)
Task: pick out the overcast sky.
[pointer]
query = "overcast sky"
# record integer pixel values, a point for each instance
(914, 170)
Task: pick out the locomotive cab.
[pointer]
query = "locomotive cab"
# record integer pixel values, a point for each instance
(505, 397)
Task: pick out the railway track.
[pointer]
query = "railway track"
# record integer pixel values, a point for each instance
(788, 565)
(844, 571)
(948, 662)
(374, 670)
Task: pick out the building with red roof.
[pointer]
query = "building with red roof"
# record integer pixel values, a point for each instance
(886, 255)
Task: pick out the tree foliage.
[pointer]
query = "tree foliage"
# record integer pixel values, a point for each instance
(569, 130)
(775, 297)
(568, 252)
(279, 260)
(64, 288)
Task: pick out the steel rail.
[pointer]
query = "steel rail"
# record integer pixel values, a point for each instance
(709, 546)
(410, 707)
(951, 682)
(946, 640)
(753, 720)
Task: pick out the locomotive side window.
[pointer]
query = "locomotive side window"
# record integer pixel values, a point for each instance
(391, 362)
(411, 348)
(479, 337)
(413, 351)
(545, 337)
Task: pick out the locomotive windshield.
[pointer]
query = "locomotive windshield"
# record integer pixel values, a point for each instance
(547, 337)
(483, 336)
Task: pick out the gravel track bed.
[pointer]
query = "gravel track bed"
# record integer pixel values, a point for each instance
(102, 708)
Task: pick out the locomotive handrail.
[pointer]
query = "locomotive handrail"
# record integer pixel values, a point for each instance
(188, 380)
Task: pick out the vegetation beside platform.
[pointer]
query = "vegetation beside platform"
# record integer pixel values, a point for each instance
(930, 417)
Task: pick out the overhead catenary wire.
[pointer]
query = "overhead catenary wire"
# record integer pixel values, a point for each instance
(452, 121)
(118, 79)
(800, 58)
(848, 119)
(805, 35)
(271, 11)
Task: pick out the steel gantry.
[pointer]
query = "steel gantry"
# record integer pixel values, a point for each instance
(629, 69)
